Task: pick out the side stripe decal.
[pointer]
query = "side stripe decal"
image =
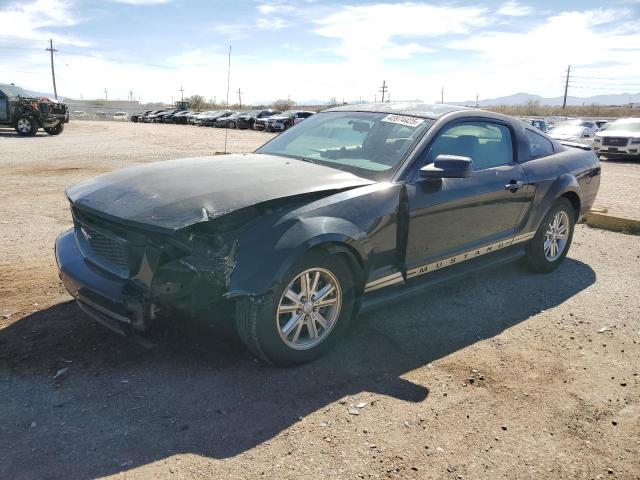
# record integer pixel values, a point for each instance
(395, 278)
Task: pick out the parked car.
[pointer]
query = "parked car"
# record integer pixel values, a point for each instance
(247, 120)
(167, 116)
(620, 139)
(138, 117)
(536, 122)
(181, 117)
(177, 114)
(196, 119)
(145, 118)
(579, 123)
(155, 117)
(26, 112)
(121, 116)
(227, 122)
(209, 120)
(572, 133)
(79, 114)
(285, 120)
(101, 115)
(355, 207)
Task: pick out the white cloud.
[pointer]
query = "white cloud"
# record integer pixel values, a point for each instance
(515, 9)
(142, 2)
(374, 43)
(534, 60)
(369, 33)
(32, 21)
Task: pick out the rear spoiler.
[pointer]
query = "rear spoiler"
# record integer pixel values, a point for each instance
(581, 146)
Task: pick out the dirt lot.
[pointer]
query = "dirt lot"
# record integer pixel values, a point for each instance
(503, 375)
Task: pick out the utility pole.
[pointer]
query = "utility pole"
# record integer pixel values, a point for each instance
(442, 95)
(105, 94)
(477, 100)
(239, 98)
(566, 88)
(131, 94)
(181, 93)
(384, 89)
(53, 72)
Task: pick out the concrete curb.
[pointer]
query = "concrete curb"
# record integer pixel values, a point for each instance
(598, 217)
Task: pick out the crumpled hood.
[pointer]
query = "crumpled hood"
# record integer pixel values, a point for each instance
(177, 193)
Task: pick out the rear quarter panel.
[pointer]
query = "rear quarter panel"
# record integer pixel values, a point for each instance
(568, 170)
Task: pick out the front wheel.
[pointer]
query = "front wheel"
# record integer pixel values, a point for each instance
(57, 130)
(551, 243)
(26, 127)
(303, 317)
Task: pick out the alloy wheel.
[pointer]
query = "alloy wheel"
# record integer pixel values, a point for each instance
(556, 236)
(309, 308)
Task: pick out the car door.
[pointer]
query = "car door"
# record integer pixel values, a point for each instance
(451, 216)
(4, 107)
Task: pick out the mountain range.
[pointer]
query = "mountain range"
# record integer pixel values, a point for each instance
(524, 98)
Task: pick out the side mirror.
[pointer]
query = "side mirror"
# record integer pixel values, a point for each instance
(448, 166)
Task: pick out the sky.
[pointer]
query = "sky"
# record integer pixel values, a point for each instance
(315, 50)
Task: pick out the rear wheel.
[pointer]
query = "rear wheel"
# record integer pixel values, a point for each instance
(303, 317)
(26, 126)
(550, 245)
(231, 125)
(57, 130)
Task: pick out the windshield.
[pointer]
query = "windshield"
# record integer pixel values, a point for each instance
(632, 125)
(568, 130)
(372, 145)
(15, 91)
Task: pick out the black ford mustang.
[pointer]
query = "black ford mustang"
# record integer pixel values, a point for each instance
(354, 207)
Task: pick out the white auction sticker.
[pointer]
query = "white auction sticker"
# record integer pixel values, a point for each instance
(403, 120)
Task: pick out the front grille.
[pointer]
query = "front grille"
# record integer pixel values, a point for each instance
(107, 244)
(112, 250)
(615, 141)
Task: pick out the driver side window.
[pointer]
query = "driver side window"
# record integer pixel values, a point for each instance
(486, 144)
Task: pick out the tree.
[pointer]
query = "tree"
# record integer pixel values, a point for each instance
(196, 102)
(282, 105)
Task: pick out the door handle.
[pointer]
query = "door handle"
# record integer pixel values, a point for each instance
(513, 185)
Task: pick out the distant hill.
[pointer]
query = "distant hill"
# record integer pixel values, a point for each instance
(524, 98)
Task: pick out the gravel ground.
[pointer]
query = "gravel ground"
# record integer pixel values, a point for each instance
(502, 375)
(619, 188)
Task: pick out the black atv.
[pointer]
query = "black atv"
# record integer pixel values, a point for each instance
(27, 113)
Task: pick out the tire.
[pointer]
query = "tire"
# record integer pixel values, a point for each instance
(26, 126)
(231, 125)
(270, 334)
(537, 258)
(57, 130)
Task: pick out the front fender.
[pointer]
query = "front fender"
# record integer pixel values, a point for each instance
(260, 269)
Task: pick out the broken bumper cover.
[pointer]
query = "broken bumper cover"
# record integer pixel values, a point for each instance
(108, 300)
(127, 305)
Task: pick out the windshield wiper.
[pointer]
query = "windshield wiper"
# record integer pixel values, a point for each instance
(295, 157)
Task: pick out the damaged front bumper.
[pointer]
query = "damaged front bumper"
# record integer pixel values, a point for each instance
(177, 288)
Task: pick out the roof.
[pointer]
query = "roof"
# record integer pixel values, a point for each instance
(424, 110)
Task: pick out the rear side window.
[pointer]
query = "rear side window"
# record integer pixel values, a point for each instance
(539, 146)
(486, 144)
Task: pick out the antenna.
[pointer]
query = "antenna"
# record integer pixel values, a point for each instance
(226, 130)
